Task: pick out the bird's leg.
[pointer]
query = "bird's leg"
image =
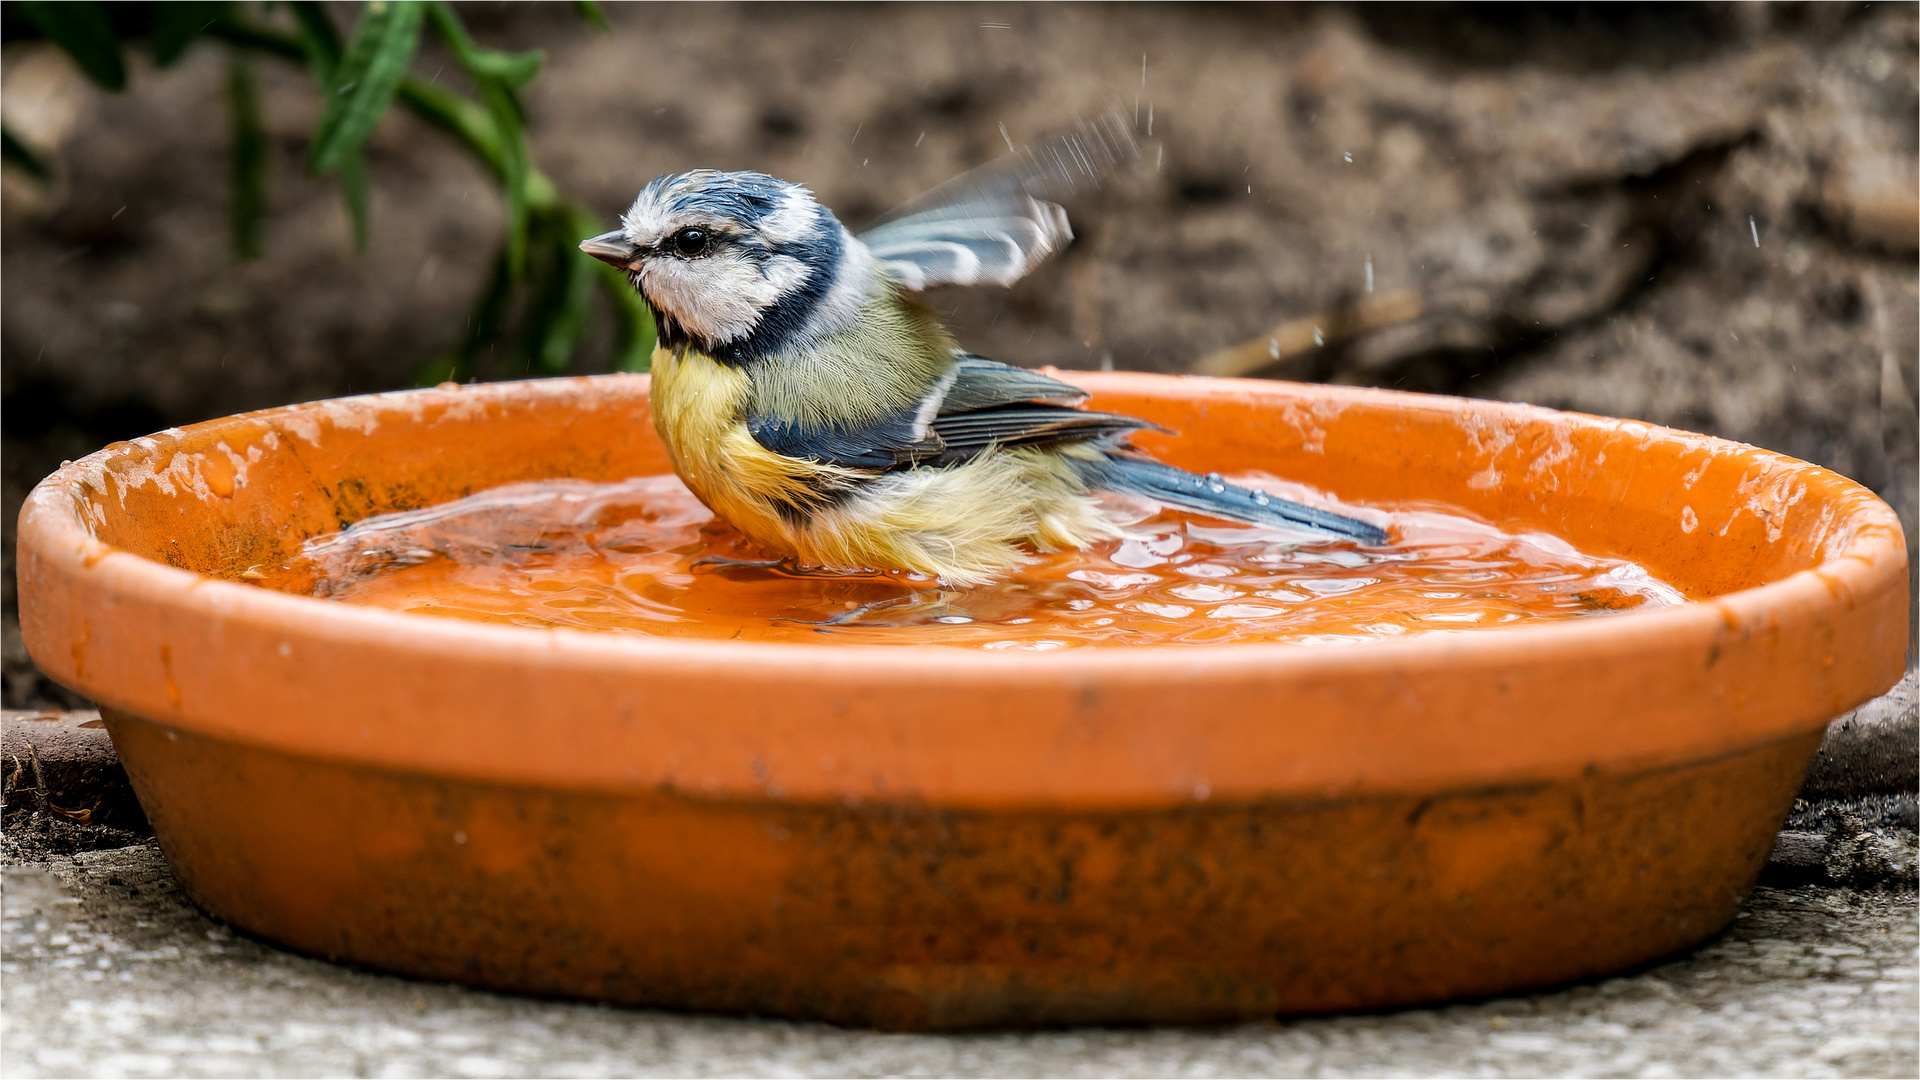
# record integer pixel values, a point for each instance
(724, 561)
(842, 618)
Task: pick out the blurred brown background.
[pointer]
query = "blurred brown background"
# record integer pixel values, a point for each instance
(1699, 215)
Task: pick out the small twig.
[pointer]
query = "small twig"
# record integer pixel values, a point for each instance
(39, 778)
(13, 782)
(1301, 336)
(82, 816)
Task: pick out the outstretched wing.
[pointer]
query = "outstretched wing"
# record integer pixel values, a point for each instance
(991, 238)
(979, 405)
(994, 224)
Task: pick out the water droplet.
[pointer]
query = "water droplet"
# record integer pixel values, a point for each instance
(1260, 498)
(1215, 484)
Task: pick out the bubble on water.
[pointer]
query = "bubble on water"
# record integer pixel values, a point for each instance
(1206, 592)
(1137, 555)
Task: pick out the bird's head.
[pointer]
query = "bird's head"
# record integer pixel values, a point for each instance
(738, 264)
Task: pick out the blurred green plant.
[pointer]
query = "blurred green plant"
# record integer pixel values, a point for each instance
(540, 281)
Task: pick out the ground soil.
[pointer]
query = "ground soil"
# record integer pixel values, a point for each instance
(1702, 216)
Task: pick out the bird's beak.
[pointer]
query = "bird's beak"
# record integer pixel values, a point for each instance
(612, 247)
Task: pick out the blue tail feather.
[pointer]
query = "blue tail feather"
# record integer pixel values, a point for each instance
(1214, 497)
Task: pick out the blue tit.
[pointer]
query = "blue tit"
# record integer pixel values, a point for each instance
(805, 395)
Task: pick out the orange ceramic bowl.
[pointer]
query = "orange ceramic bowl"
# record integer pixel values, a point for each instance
(923, 837)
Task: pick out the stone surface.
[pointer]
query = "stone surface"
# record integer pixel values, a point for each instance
(1874, 749)
(1865, 842)
(109, 972)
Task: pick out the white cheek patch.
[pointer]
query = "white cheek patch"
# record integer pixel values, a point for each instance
(718, 298)
(796, 216)
(785, 272)
(852, 285)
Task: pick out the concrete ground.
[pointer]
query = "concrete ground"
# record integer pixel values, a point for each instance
(108, 971)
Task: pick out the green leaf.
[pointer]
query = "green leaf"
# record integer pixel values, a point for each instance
(514, 69)
(442, 368)
(633, 330)
(495, 76)
(353, 188)
(248, 179)
(364, 82)
(515, 165)
(566, 302)
(591, 12)
(21, 156)
(81, 28)
(272, 42)
(456, 116)
(318, 38)
(175, 25)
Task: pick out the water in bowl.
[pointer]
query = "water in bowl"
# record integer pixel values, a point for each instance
(644, 556)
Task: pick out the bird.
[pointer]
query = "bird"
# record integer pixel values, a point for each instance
(805, 394)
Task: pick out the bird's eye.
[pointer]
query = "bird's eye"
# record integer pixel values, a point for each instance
(690, 242)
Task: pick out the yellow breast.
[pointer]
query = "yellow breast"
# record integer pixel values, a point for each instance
(698, 409)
